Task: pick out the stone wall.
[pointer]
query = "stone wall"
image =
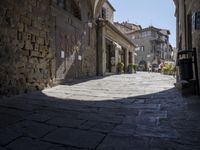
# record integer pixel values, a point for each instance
(184, 41)
(40, 44)
(192, 6)
(195, 7)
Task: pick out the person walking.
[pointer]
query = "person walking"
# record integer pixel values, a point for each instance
(150, 68)
(160, 67)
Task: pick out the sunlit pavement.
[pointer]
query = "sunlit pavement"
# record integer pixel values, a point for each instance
(140, 111)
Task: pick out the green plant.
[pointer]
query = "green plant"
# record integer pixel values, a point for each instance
(135, 66)
(120, 67)
(132, 68)
(169, 69)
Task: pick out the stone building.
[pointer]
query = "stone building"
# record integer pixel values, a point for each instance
(188, 37)
(46, 42)
(152, 46)
(113, 46)
(126, 27)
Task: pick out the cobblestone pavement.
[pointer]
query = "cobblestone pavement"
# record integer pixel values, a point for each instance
(140, 111)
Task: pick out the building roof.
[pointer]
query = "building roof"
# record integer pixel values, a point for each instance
(128, 25)
(114, 28)
(161, 31)
(165, 31)
(111, 6)
(120, 24)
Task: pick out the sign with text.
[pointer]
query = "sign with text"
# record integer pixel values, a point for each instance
(62, 54)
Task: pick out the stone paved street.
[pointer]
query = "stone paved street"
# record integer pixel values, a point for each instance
(140, 111)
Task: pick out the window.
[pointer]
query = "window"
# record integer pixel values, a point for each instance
(61, 3)
(103, 13)
(149, 33)
(142, 48)
(143, 34)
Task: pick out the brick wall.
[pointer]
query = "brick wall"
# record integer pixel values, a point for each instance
(32, 35)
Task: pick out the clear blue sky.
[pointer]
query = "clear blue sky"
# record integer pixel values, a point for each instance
(159, 13)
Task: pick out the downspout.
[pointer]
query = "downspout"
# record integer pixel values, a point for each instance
(97, 48)
(185, 24)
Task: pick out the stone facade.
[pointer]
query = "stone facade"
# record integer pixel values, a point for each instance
(113, 45)
(152, 46)
(107, 11)
(126, 27)
(44, 43)
(188, 36)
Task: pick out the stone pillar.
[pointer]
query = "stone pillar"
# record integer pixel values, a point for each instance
(196, 44)
(101, 49)
(182, 23)
(126, 59)
(133, 57)
(116, 55)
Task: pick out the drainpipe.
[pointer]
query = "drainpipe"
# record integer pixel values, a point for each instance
(97, 48)
(196, 70)
(185, 28)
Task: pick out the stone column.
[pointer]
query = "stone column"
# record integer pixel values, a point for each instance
(126, 59)
(101, 49)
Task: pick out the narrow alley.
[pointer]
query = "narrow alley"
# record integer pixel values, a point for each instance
(141, 111)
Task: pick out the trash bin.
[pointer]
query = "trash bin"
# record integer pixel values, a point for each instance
(186, 70)
(185, 64)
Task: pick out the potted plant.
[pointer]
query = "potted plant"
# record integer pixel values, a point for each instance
(132, 68)
(120, 67)
(135, 67)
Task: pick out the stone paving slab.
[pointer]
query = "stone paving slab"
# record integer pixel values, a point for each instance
(31, 129)
(148, 131)
(102, 117)
(124, 129)
(25, 143)
(1, 148)
(116, 142)
(162, 144)
(66, 122)
(64, 148)
(7, 136)
(144, 106)
(39, 117)
(7, 120)
(159, 114)
(14, 112)
(98, 126)
(140, 111)
(75, 137)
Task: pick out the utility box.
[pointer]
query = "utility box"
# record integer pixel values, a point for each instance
(185, 63)
(196, 21)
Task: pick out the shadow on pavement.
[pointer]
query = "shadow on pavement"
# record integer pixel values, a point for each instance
(162, 120)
